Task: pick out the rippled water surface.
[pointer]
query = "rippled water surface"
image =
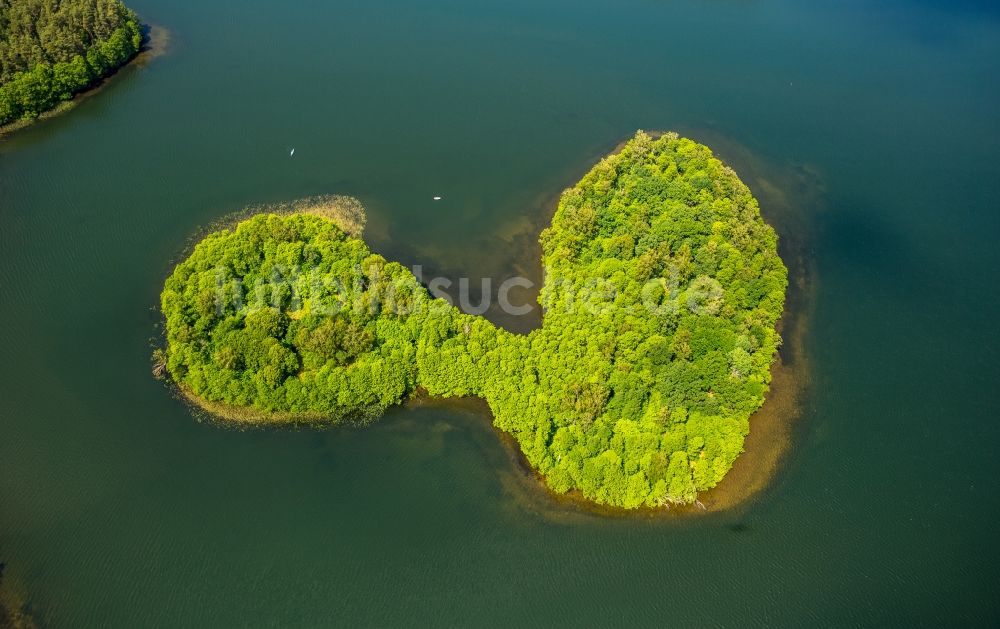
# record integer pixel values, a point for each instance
(868, 131)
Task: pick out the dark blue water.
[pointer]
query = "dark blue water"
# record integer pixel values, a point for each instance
(868, 131)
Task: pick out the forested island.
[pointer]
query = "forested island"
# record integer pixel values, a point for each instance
(52, 50)
(662, 290)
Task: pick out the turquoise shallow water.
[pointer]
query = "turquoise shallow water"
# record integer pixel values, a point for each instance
(869, 132)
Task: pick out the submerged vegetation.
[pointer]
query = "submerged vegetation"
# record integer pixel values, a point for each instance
(15, 612)
(50, 51)
(662, 290)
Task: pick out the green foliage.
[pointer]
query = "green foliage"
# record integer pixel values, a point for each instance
(662, 290)
(50, 51)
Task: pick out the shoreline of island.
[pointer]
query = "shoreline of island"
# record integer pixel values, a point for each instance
(750, 471)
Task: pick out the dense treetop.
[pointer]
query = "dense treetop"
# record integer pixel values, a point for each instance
(52, 49)
(662, 290)
(50, 31)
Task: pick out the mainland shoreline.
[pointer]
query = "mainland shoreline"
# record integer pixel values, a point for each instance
(155, 43)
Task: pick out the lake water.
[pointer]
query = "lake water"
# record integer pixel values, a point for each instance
(870, 133)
